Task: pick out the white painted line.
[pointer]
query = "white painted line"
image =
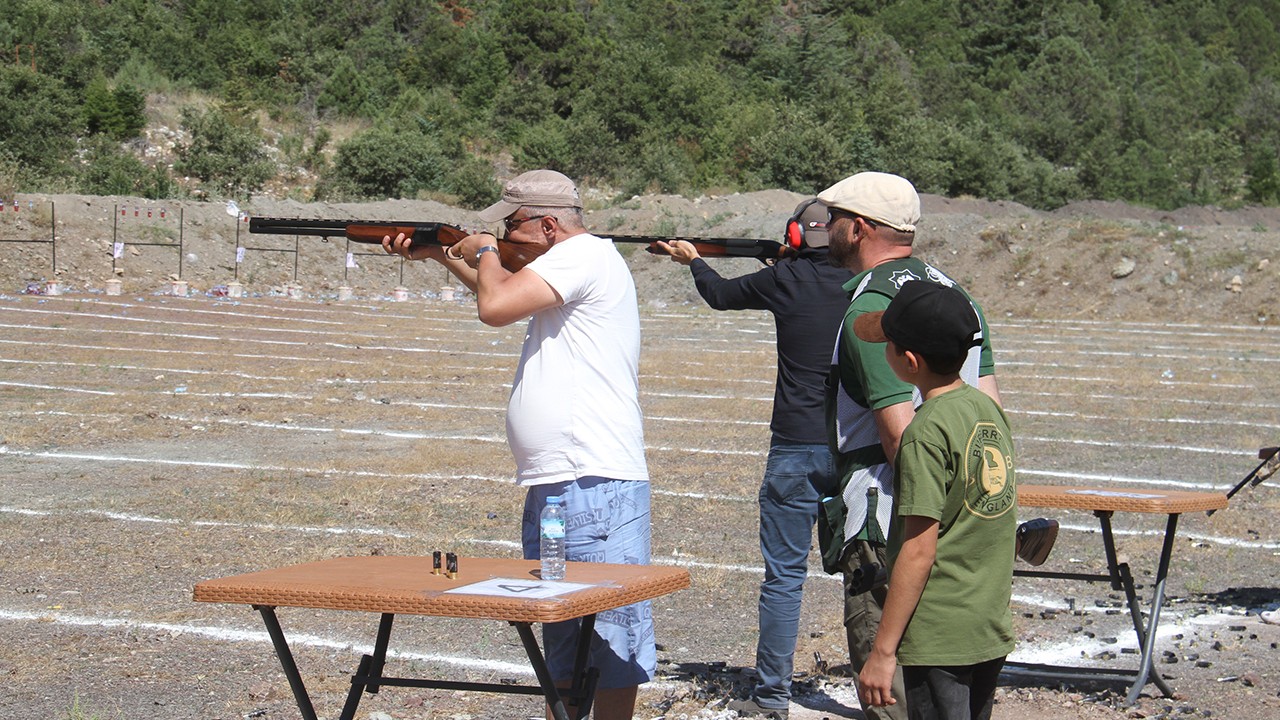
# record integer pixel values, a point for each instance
(56, 387)
(1172, 421)
(5, 450)
(140, 368)
(1228, 452)
(1078, 477)
(1134, 398)
(255, 636)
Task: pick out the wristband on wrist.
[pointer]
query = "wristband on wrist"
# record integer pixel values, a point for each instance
(485, 249)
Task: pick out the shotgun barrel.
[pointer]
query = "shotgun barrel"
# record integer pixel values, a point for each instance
(437, 233)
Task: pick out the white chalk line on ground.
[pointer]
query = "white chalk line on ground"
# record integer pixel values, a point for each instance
(1043, 653)
(696, 396)
(676, 559)
(1179, 353)
(260, 395)
(399, 434)
(416, 435)
(226, 465)
(1227, 452)
(1004, 392)
(1170, 421)
(647, 417)
(352, 381)
(140, 368)
(721, 321)
(480, 328)
(1175, 352)
(672, 395)
(231, 306)
(242, 356)
(1188, 535)
(5, 383)
(198, 353)
(223, 465)
(1128, 371)
(160, 334)
(510, 356)
(1136, 327)
(702, 341)
(228, 340)
(257, 636)
(1078, 477)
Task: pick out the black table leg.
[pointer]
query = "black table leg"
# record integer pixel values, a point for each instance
(549, 689)
(1157, 602)
(286, 661)
(1122, 579)
(584, 677)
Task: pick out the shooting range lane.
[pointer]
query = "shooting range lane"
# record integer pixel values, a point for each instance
(240, 436)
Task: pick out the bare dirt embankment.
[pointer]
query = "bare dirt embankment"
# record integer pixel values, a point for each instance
(1087, 260)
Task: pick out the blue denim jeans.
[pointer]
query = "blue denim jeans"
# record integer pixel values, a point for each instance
(794, 478)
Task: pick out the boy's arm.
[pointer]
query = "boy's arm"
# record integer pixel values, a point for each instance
(906, 585)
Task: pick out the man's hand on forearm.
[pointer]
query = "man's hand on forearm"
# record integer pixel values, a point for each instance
(681, 251)
(399, 245)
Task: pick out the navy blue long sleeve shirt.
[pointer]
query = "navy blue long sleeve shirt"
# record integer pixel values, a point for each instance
(805, 295)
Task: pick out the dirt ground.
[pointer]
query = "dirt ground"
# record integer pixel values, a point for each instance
(152, 441)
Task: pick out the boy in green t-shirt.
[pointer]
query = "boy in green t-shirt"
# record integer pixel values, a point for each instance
(951, 547)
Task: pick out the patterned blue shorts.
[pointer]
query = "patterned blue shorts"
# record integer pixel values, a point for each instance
(605, 521)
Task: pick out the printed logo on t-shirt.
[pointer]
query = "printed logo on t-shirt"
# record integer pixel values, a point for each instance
(902, 277)
(936, 275)
(988, 491)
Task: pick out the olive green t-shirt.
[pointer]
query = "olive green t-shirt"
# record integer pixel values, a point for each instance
(955, 465)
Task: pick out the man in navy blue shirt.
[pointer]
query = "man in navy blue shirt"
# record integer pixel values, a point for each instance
(805, 295)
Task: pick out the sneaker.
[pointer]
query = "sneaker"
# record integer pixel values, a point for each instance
(1035, 539)
(749, 708)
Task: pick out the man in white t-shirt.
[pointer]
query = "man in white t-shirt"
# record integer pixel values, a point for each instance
(573, 420)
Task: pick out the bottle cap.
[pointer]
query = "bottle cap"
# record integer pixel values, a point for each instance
(553, 500)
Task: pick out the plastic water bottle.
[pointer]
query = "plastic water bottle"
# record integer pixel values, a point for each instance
(552, 545)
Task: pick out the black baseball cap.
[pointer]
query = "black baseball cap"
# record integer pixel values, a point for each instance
(924, 317)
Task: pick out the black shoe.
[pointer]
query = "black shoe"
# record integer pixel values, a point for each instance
(749, 708)
(1035, 539)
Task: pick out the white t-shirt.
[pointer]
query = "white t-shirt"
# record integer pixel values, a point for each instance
(575, 408)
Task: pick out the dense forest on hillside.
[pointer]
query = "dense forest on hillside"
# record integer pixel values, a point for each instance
(1158, 102)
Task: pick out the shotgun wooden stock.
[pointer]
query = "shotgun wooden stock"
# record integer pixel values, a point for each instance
(514, 255)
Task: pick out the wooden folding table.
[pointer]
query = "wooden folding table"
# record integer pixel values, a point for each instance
(484, 588)
(1104, 502)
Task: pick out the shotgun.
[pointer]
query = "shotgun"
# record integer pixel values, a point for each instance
(514, 255)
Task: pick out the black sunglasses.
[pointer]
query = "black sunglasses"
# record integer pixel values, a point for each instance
(832, 212)
(513, 223)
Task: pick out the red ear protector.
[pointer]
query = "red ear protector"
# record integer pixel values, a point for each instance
(807, 226)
